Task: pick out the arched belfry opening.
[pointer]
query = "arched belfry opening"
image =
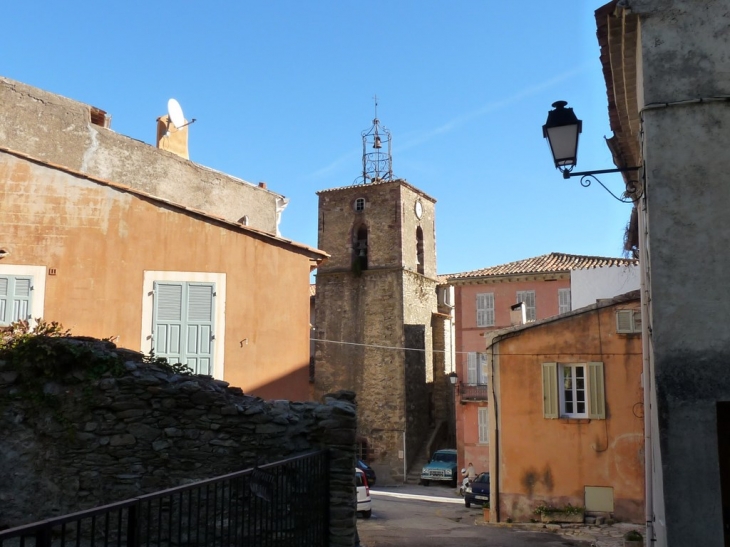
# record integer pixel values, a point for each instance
(360, 248)
(419, 250)
(377, 159)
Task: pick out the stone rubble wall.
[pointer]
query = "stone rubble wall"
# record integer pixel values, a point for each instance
(87, 443)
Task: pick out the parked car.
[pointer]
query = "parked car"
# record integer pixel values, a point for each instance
(441, 467)
(369, 472)
(478, 490)
(364, 505)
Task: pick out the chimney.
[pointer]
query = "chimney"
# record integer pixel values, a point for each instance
(262, 185)
(518, 314)
(171, 138)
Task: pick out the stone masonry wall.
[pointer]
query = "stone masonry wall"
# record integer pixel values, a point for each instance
(141, 428)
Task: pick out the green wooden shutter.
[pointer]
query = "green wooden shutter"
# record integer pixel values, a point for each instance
(168, 321)
(15, 298)
(597, 394)
(550, 390)
(199, 322)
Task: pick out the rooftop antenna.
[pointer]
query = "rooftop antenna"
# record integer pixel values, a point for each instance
(377, 164)
(175, 116)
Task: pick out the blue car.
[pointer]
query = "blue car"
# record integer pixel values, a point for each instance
(441, 467)
(369, 472)
(478, 491)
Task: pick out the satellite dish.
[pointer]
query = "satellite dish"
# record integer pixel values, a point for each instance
(175, 113)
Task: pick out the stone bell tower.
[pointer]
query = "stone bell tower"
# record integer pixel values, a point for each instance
(374, 304)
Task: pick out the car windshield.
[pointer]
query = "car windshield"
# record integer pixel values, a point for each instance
(484, 477)
(359, 480)
(362, 464)
(444, 457)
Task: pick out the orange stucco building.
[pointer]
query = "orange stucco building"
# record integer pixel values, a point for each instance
(566, 413)
(110, 260)
(483, 301)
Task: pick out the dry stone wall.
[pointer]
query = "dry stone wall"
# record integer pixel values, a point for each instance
(140, 427)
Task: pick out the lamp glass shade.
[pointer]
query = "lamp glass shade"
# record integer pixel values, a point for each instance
(564, 144)
(561, 130)
(453, 378)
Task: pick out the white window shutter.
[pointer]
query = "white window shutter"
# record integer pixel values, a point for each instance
(564, 300)
(597, 393)
(550, 390)
(489, 313)
(482, 371)
(471, 368)
(483, 419)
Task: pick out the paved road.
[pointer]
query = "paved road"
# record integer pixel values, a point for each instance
(434, 517)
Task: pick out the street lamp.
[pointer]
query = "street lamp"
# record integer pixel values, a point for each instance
(453, 378)
(562, 130)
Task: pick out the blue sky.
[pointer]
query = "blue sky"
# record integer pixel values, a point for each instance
(282, 89)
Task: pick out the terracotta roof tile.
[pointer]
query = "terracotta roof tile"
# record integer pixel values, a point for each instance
(549, 263)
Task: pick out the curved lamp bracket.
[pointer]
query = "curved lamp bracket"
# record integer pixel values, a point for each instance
(585, 181)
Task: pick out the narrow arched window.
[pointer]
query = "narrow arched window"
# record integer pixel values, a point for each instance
(360, 249)
(419, 250)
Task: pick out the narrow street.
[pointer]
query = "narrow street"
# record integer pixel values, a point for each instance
(434, 516)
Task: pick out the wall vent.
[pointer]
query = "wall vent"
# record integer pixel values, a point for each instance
(628, 321)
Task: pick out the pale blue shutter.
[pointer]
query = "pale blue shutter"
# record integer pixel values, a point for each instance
(15, 298)
(183, 324)
(168, 321)
(199, 320)
(4, 293)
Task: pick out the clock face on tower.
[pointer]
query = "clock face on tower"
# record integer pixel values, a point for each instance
(418, 209)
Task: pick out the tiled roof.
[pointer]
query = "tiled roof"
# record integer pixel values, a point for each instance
(550, 263)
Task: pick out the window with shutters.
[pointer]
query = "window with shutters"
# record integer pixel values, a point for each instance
(563, 300)
(476, 368)
(183, 324)
(573, 390)
(15, 295)
(483, 420)
(183, 319)
(528, 297)
(485, 309)
(22, 291)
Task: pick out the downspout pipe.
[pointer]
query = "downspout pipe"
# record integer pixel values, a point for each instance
(646, 378)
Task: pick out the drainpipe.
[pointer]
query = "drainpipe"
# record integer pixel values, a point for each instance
(494, 462)
(646, 376)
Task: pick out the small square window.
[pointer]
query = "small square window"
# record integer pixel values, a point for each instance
(360, 205)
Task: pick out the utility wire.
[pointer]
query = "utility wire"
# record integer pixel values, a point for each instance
(397, 348)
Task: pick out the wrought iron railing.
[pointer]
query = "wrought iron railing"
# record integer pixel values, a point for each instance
(280, 504)
(474, 392)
